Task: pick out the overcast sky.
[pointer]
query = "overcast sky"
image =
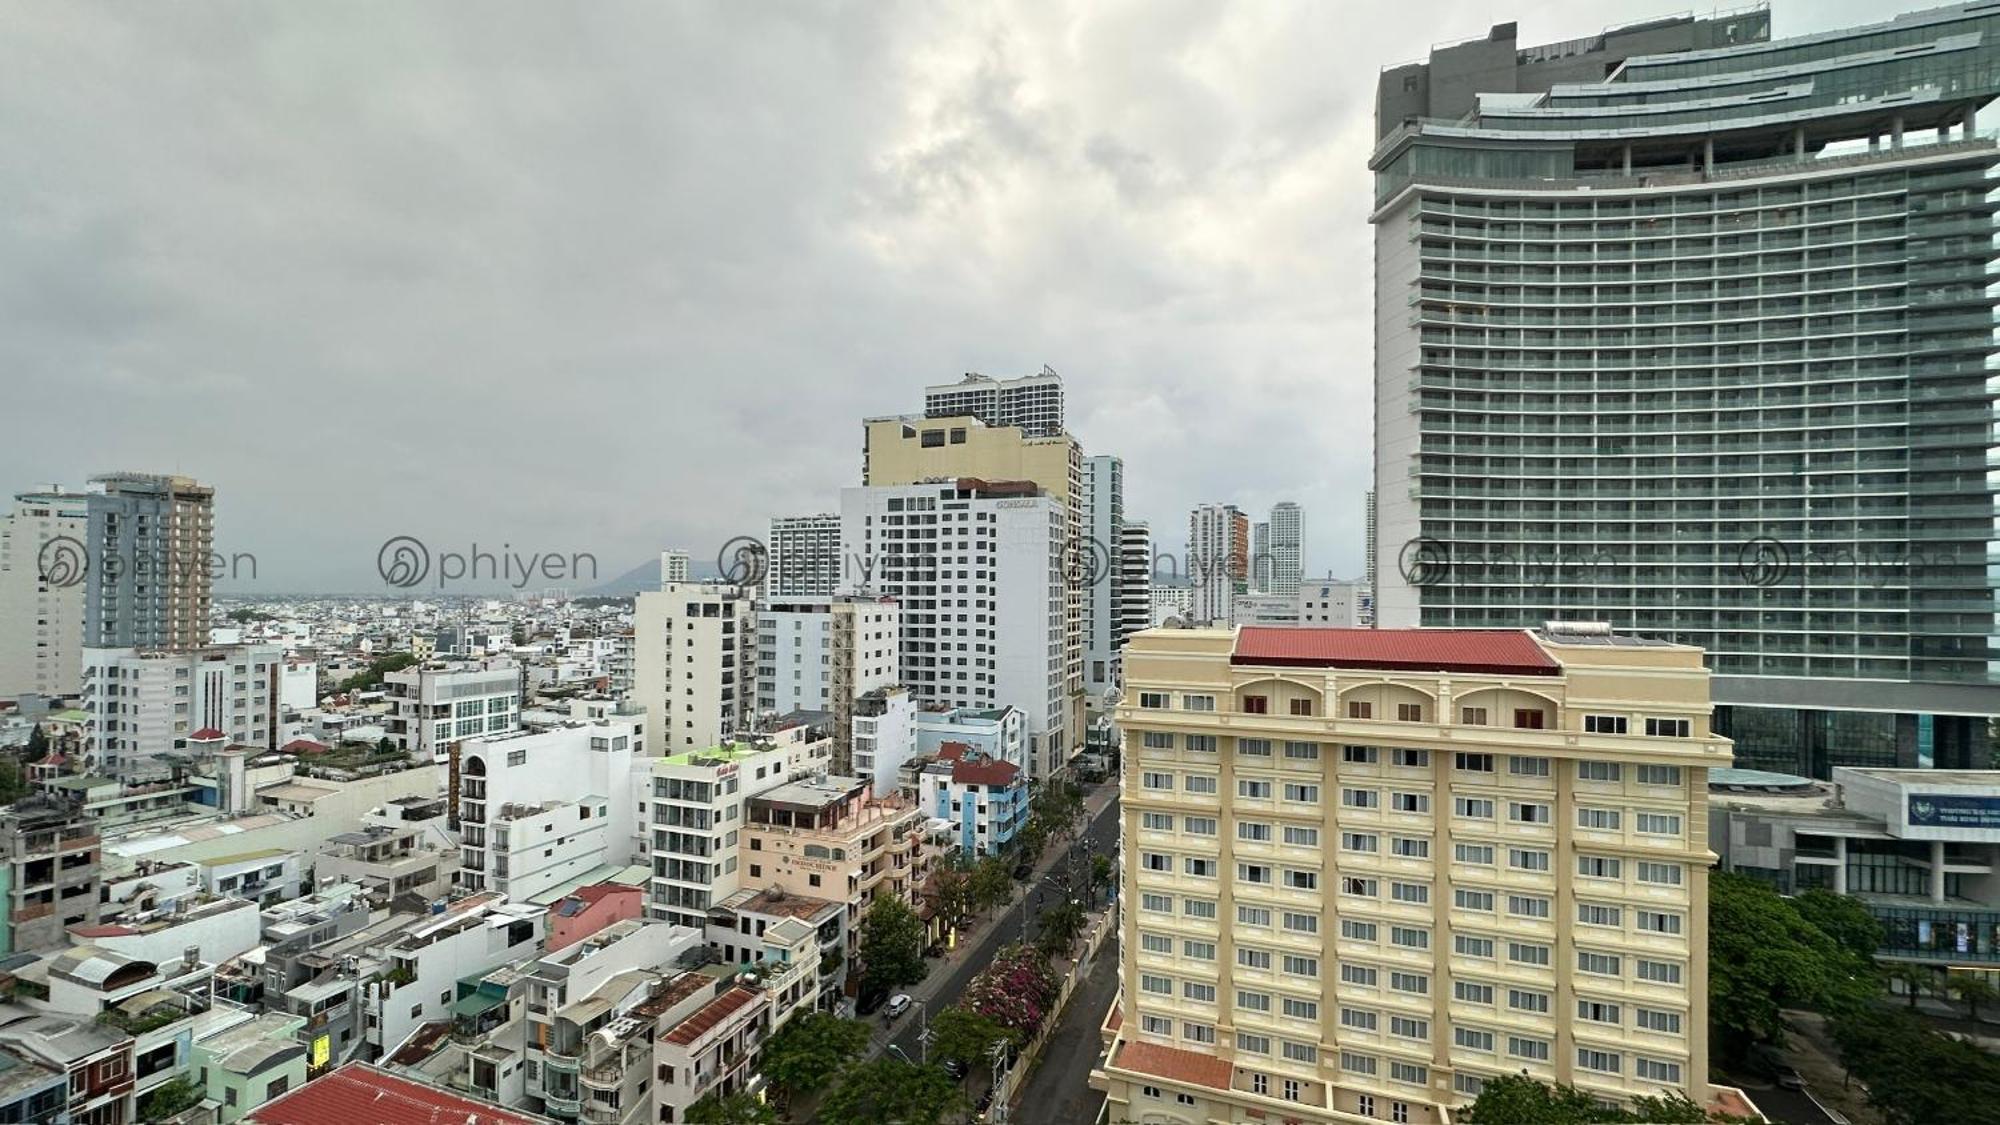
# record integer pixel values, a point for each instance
(604, 278)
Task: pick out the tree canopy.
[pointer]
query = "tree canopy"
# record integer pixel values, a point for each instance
(1517, 1099)
(892, 944)
(809, 1050)
(891, 1090)
(734, 1109)
(965, 1035)
(1764, 956)
(1913, 1074)
(377, 669)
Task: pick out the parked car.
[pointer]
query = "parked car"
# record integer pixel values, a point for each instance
(898, 1004)
(1023, 870)
(869, 1002)
(956, 1068)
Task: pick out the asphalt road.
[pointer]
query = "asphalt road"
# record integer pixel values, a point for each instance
(1100, 837)
(1058, 1092)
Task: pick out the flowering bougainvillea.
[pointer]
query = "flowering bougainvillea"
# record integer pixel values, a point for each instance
(1016, 991)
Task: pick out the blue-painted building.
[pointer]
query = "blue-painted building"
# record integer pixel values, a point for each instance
(984, 800)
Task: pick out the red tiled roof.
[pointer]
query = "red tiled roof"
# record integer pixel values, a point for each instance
(1190, 1068)
(206, 734)
(304, 746)
(953, 751)
(985, 772)
(1507, 652)
(357, 1092)
(712, 1013)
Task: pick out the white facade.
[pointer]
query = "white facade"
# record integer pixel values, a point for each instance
(474, 935)
(298, 685)
(673, 566)
(1326, 601)
(885, 736)
(1135, 579)
(434, 705)
(979, 573)
(1032, 402)
(1100, 573)
(804, 556)
(41, 595)
(1285, 558)
(141, 705)
(694, 651)
(811, 653)
(569, 792)
(1217, 561)
(1171, 602)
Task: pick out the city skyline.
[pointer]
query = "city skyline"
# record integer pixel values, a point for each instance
(290, 367)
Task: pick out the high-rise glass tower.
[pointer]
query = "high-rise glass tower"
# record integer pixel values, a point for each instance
(1287, 570)
(1689, 329)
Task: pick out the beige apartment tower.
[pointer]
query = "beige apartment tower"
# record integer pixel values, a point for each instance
(901, 451)
(1365, 870)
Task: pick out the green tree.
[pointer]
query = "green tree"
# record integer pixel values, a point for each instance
(1765, 957)
(1102, 874)
(1914, 1075)
(808, 1051)
(951, 891)
(1972, 990)
(1031, 840)
(378, 668)
(992, 884)
(965, 1035)
(1844, 919)
(1516, 1099)
(734, 1109)
(386, 745)
(1061, 924)
(176, 1096)
(38, 743)
(1914, 978)
(892, 944)
(890, 1090)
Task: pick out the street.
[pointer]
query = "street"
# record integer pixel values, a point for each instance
(1058, 1092)
(948, 981)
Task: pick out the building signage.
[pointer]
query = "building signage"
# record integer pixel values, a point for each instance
(1954, 810)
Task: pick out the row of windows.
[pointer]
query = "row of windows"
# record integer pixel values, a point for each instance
(1525, 718)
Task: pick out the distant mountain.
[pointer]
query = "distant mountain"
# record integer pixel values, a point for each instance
(646, 576)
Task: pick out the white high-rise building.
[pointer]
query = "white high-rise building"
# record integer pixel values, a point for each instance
(536, 810)
(811, 652)
(978, 569)
(1097, 569)
(1368, 576)
(694, 651)
(804, 556)
(673, 566)
(1135, 579)
(1285, 558)
(42, 574)
(433, 705)
(1033, 402)
(142, 705)
(1217, 561)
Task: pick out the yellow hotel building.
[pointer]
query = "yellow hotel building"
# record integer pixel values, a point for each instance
(1366, 868)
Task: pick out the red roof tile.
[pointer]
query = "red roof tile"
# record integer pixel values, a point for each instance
(1505, 652)
(1190, 1068)
(303, 746)
(985, 772)
(207, 734)
(357, 1092)
(953, 751)
(712, 1013)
